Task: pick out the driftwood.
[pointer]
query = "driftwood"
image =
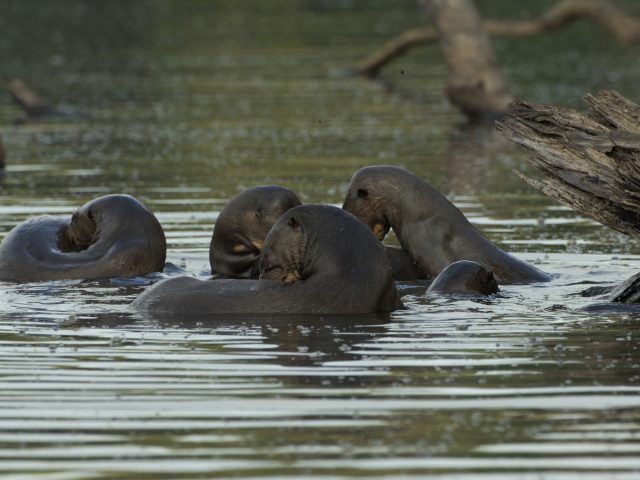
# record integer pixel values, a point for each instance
(624, 28)
(475, 84)
(590, 161)
(628, 291)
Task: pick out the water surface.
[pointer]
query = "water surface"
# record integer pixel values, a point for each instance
(192, 101)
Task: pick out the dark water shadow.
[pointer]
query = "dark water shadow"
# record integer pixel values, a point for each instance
(611, 308)
(302, 340)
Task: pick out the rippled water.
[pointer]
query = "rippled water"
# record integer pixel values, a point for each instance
(192, 101)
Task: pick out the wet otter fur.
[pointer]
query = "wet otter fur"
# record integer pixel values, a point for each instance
(429, 227)
(465, 276)
(78, 234)
(317, 259)
(110, 236)
(242, 226)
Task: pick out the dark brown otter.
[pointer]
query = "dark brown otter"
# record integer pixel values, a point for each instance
(465, 276)
(111, 236)
(403, 267)
(317, 259)
(429, 227)
(242, 226)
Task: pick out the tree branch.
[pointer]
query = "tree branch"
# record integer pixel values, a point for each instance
(624, 28)
(474, 81)
(396, 47)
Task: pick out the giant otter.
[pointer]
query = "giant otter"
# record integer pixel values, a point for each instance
(465, 276)
(242, 226)
(317, 259)
(111, 236)
(429, 227)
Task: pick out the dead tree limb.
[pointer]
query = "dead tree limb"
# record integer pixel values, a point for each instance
(475, 83)
(590, 161)
(397, 46)
(624, 28)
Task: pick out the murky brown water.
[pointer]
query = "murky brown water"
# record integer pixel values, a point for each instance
(192, 101)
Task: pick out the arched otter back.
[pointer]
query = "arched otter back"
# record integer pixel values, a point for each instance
(111, 236)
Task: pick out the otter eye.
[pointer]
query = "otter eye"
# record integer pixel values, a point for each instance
(293, 223)
(259, 213)
(362, 193)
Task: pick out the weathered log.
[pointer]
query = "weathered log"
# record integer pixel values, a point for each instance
(624, 28)
(628, 291)
(590, 161)
(475, 83)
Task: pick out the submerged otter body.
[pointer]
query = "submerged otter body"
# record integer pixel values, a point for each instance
(465, 276)
(111, 236)
(317, 259)
(429, 227)
(242, 226)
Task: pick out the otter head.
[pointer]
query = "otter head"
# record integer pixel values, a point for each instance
(465, 276)
(370, 197)
(283, 258)
(477, 278)
(81, 231)
(243, 225)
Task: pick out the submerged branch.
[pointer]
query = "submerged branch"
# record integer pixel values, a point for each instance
(27, 99)
(38, 109)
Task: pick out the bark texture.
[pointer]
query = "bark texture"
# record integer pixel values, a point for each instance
(628, 291)
(590, 161)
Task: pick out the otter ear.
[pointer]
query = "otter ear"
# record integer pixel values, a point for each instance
(362, 193)
(293, 223)
(259, 213)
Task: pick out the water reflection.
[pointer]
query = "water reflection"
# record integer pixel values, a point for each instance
(396, 396)
(472, 151)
